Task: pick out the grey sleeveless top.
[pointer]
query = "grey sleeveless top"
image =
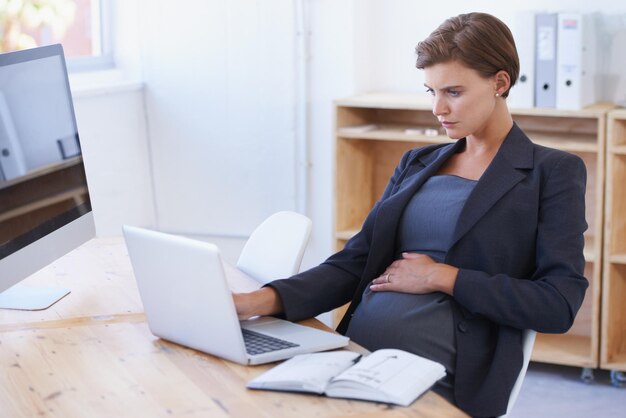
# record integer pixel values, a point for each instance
(421, 324)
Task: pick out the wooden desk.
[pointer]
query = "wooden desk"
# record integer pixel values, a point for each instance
(92, 355)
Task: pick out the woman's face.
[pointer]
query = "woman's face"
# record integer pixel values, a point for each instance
(463, 100)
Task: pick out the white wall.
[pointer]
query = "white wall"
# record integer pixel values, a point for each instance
(115, 151)
(220, 100)
(109, 107)
(332, 76)
(221, 91)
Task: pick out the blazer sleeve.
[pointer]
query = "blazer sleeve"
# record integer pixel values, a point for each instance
(333, 283)
(549, 301)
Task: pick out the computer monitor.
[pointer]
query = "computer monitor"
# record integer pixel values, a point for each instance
(45, 209)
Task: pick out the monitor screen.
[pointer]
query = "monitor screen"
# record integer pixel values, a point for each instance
(43, 187)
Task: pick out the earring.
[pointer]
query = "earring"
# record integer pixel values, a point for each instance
(497, 94)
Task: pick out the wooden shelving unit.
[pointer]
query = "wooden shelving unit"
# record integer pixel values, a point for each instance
(365, 161)
(613, 336)
(39, 195)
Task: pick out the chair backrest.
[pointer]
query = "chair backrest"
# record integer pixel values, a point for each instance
(275, 248)
(528, 342)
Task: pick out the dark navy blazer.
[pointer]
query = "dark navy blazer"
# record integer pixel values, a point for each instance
(518, 245)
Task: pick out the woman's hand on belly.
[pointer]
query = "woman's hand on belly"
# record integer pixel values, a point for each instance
(416, 273)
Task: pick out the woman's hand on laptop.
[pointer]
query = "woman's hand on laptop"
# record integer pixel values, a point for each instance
(262, 302)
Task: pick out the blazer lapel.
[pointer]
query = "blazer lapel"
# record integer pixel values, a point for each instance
(503, 173)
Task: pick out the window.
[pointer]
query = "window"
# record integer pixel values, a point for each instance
(82, 26)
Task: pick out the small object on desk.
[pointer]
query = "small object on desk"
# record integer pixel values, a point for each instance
(388, 375)
(358, 129)
(431, 132)
(414, 131)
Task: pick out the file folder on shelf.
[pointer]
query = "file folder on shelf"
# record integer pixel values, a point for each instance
(545, 59)
(522, 95)
(576, 61)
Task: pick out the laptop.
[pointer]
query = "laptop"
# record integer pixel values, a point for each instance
(187, 300)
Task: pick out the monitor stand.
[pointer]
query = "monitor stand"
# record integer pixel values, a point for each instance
(31, 298)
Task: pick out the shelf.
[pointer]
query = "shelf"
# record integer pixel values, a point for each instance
(613, 320)
(566, 142)
(618, 114)
(43, 171)
(396, 133)
(423, 101)
(565, 349)
(613, 349)
(76, 194)
(617, 258)
(592, 111)
(617, 149)
(617, 363)
(412, 101)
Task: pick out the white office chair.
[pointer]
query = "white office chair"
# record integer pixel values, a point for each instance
(275, 248)
(528, 342)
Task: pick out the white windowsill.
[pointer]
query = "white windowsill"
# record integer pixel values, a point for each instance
(97, 83)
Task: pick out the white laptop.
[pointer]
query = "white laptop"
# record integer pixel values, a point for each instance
(187, 300)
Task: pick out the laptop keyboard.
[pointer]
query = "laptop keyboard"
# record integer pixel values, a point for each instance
(257, 343)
